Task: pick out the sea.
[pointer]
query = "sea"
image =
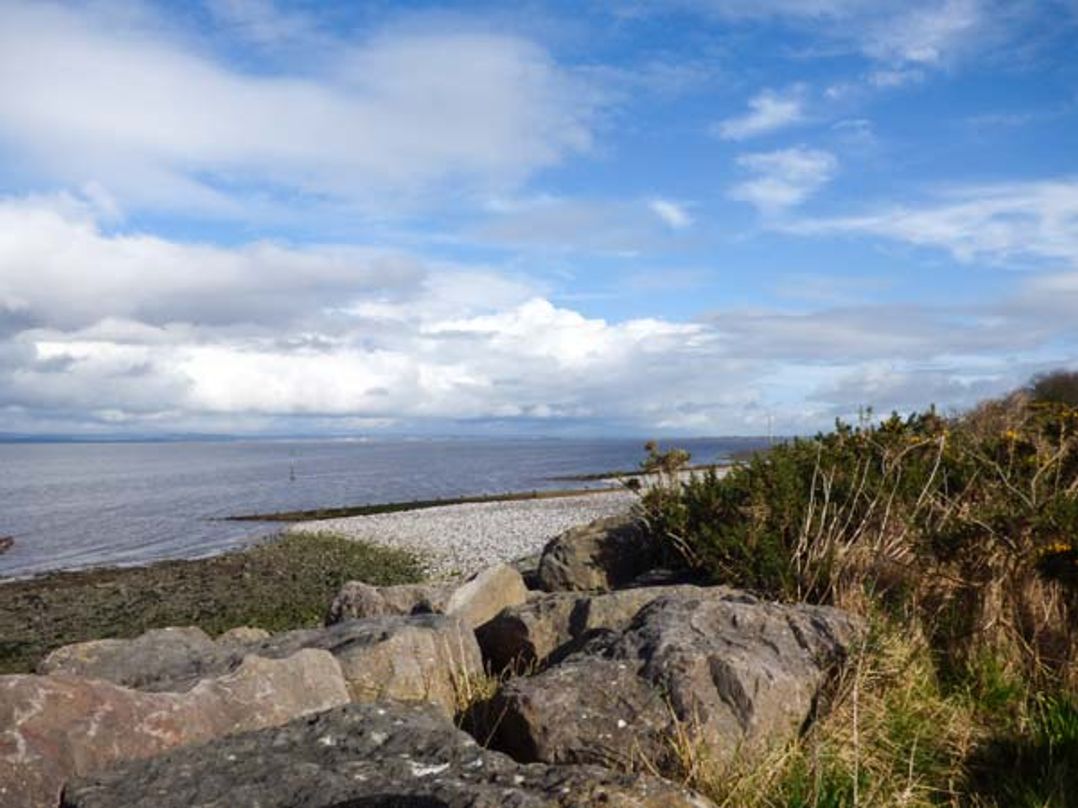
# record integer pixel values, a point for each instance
(76, 505)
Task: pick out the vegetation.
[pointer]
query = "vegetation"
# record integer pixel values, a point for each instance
(957, 539)
(277, 585)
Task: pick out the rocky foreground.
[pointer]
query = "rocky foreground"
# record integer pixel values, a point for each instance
(601, 660)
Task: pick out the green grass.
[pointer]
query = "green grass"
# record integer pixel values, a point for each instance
(278, 585)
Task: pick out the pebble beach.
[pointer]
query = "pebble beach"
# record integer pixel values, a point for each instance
(458, 540)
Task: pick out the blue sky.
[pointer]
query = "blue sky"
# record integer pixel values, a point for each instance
(690, 217)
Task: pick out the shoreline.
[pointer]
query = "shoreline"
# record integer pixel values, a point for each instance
(346, 511)
(457, 540)
(283, 580)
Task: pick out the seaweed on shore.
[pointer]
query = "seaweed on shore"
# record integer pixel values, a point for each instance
(277, 585)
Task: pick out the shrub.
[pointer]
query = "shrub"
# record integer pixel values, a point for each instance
(1058, 387)
(968, 525)
(958, 539)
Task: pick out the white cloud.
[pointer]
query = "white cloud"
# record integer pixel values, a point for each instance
(60, 269)
(890, 32)
(768, 112)
(672, 214)
(389, 121)
(165, 335)
(926, 34)
(999, 223)
(783, 178)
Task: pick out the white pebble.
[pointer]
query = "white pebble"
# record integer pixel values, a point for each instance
(455, 540)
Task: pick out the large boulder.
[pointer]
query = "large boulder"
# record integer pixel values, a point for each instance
(56, 727)
(426, 657)
(152, 661)
(371, 756)
(600, 556)
(475, 601)
(734, 672)
(549, 626)
(417, 657)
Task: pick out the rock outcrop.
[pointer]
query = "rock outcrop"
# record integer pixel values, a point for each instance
(418, 657)
(475, 601)
(56, 727)
(597, 557)
(364, 755)
(736, 672)
(550, 626)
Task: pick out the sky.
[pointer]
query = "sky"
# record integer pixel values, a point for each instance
(690, 217)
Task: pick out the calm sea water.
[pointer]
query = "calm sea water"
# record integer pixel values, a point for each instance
(78, 505)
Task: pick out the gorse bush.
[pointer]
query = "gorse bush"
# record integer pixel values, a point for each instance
(1059, 387)
(957, 539)
(969, 525)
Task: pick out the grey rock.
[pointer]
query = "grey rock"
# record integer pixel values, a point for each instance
(549, 626)
(600, 556)
(735, 672)
(153, 661)
(413, 657)
(363, 756)
(597, 711)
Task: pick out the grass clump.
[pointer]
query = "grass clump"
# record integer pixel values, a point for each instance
(957, 537)
(277, 585)
(891, 738)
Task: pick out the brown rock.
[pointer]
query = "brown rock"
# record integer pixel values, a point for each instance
(487, 593)
(475, 601)
(739, 673)
(241, 635)
(357, 600)
(56, 727)
(598, 557)
(423, 657)
(410, 658)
